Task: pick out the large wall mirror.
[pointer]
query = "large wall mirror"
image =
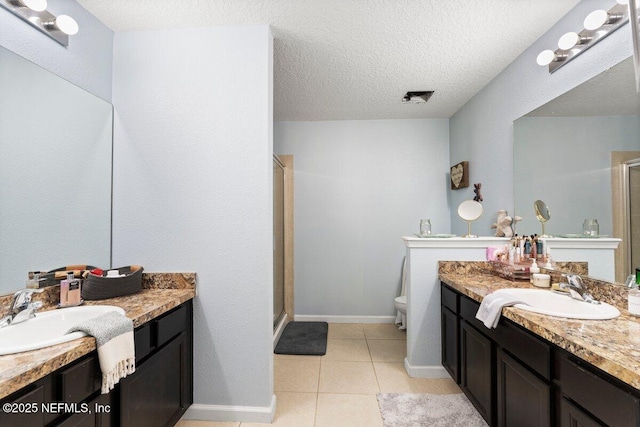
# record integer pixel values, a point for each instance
(569, 153)
(55, 173)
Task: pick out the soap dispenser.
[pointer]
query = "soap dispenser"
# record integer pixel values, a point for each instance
(534, 269)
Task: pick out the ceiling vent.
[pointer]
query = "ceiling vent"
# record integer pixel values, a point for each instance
(417, 97)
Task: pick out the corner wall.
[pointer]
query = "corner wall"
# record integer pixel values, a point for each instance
(482, 130)
(86, 62)
(193, 192)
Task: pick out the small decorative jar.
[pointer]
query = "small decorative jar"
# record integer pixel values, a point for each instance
(590, 227)
(425, 227)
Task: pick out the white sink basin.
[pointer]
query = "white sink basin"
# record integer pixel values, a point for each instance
(48, 328)
(555, 304)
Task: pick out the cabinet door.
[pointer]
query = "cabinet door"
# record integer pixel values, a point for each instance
(154, 395)
(450, 324)
(572, 416)
(476, 369)
(523, 399)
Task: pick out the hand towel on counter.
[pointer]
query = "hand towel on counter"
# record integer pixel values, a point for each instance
(116, 350)
(491, 307)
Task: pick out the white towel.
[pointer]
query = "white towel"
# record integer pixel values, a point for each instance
(116, 349)
(491, 307)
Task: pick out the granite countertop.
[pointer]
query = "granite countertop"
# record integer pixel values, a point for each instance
(21, 369)
(611, 345)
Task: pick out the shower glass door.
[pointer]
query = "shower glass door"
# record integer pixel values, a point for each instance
(278, 240)
(633, 195)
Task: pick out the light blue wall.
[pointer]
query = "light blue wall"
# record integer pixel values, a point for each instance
(575, 172)
(86, 62)
(192, 192)
(359, 187)
(482, 130)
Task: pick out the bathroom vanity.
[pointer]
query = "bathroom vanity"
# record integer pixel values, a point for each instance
(60, 385)
(537, 370)
(423, 286)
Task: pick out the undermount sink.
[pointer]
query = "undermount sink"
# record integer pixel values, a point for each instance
(49, 328)
(560, 305)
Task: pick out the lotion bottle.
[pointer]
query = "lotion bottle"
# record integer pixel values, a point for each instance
(64, 290)
(533, 270)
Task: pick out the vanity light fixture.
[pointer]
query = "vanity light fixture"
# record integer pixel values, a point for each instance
(597, 25)
(35, 13)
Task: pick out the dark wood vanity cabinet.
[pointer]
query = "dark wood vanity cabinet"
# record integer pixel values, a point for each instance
(157, 394)
(515, 378)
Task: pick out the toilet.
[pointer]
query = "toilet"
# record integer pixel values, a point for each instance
(401, 301)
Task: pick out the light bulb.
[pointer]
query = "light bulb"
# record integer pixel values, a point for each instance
(546, 57)
(35, 5)
(623, 1)
(568, 40)
(67, 24)
(596, 19)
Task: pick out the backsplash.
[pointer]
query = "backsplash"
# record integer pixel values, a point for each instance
(51, 295)
(611, 293)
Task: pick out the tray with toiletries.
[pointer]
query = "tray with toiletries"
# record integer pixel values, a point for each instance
(116, 282)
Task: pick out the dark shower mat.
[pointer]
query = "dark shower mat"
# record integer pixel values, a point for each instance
(303, 338)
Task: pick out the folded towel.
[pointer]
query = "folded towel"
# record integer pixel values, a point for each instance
(491, 307)
(116, 350)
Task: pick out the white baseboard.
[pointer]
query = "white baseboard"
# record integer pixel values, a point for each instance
(278, 332)
(345, 319)
(250, 414)
(425, 371)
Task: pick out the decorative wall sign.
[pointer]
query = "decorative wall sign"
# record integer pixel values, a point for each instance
(460, 176)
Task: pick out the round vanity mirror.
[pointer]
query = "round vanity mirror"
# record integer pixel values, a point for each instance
(542, 213)
(470, 210)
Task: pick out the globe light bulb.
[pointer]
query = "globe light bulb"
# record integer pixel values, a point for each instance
(35, 5)
(67, 24)
(596, 19)
(568, 40)
(546, 57)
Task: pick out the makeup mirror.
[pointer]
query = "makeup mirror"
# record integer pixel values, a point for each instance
(470, 210)
(55, 173)
(542, 214)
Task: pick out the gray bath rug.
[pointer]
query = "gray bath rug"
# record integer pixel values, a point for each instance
(432, 410)
(303, 338)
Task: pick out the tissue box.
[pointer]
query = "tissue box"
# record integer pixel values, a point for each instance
(101, 287)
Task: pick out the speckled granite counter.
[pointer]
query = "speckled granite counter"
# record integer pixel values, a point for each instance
(159, 296)
(611, 345)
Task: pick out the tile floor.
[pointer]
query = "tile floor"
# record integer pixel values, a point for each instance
(339, 388)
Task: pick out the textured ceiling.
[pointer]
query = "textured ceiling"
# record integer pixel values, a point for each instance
(355, 59)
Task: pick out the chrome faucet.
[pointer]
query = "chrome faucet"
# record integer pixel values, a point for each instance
(576, 289)
(21, 307)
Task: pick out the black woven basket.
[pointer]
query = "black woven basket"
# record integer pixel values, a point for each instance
(102, 287)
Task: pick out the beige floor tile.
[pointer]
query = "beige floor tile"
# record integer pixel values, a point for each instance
(347, 377)
(294, 356)
(347, 350)
(196, 423)
(387, 350)
(296, 374)
(383, 331)
(348, 410)
(346, 331)
(448, 385)
(292, 410)
(393, 378)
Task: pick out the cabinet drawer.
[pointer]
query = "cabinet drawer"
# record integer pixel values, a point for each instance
(611, 404)
(81, 380)
(171, 325)
(142, 340)
(449, 298)
(27, 411)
